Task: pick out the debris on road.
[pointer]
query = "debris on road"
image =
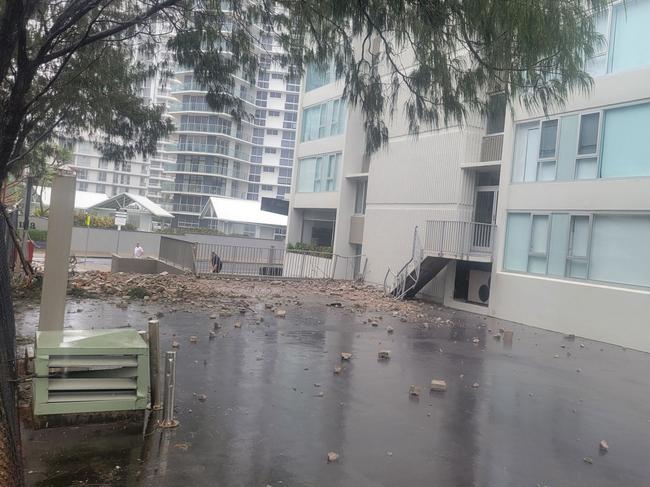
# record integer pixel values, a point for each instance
(237, 324)
(346, 356)
(383, 354)
(337, 369)
(389, 329)
(175, 344)
(588, 460)
(280, 313)
(603, 446)
(414, 390)
(332, 457)
(194, 339)
(438, 385)
(475, 385)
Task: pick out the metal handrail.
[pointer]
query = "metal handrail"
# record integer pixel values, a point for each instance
(399, 287)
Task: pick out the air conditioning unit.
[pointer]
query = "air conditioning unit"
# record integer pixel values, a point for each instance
(479, 287)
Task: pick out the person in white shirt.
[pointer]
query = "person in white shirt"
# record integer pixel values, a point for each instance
(138, 252)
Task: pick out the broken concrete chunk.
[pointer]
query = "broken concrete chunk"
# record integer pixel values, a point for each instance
(603, 446)
(346, 356)
(414, 390)
(438, 385)
(237, 324)
(475, 385)
(213, 316)
(389, 329)
(332, 457)
(588, 460)
(475, 340)
(280, 313)
(212, 335)
(337, 369)
(202, 397)
(194, 339)
(383, 354)
(175, 344)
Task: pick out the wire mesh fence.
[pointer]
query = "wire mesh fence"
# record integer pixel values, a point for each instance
(10, 459)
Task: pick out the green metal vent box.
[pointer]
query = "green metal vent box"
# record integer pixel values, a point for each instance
(90, 371)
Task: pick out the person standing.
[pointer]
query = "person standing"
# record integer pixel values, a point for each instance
(216, 263)
(138, 252)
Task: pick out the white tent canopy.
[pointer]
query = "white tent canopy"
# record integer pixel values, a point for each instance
(131, 203)
(241, 211)
(82, 199)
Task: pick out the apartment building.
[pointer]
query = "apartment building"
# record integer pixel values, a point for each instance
(542, 220)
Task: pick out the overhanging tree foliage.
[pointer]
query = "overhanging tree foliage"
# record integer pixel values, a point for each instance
(64, 65)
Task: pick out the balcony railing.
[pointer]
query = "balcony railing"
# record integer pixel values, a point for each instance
(193, 188)
(210, 149)
(460, 240)
(207, 169)
(182, 207)
(213, 128)
(491, 148)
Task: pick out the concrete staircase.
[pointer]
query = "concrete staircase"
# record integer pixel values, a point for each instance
(429, 268)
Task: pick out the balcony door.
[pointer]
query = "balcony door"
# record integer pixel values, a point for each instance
(485, 206)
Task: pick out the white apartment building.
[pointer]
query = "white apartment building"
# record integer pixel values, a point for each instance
(539, 220)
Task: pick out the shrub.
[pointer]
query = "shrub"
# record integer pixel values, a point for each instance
(38, 235)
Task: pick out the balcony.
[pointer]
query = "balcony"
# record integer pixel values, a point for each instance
(491, 148)
(460, 240)
(213, 128)
(210, 149)
(202, 189)
(182, 208)
(206, 169)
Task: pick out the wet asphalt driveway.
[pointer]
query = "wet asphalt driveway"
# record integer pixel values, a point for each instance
(274, 407)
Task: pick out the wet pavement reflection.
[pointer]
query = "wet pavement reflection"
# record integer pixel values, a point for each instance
(274, 407)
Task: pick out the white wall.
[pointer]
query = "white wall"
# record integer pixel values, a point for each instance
(607, 312)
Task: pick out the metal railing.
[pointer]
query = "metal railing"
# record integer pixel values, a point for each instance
(193, 188)
(278, 262)
(213, 128)
(178, 253)
(205, 169)
(458, 239)
(491, 148)
(400, 283)
(182, 207)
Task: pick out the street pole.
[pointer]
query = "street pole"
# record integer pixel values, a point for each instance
(154, 363)
(170, 386)
(117, 246)
(87, 236)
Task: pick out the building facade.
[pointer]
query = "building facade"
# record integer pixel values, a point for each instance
(542, 220)
(209, 154)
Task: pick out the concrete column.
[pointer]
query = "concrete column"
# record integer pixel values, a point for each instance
(59, 233)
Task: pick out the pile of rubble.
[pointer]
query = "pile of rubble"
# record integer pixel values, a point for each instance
(188, 291)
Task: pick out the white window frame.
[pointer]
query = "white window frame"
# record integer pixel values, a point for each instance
(569, 253)
(599, 135)
(545, 160)
(544, 254)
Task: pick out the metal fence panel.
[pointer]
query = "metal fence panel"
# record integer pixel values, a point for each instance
(178, 253)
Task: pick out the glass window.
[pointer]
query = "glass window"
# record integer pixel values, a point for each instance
(557, 249)
(548, 139)
(626, 151)
(316, 77)
(577, 255)
(538, 244)
(619, 249)
(630, 35)
(360, 200)
(496, 114)
(318, 174)
(323, 120)
(517, 242)
(588, 139)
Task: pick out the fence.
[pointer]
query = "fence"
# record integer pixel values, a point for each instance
(249, 261)
(10, 457)
(458, 239)
(178, 253)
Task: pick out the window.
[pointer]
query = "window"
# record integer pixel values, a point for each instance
(268, 169)
(538, 250)
(101, 176)
(83, 186)
(279, 233)
(360, 199)
(103, 163)
(100, 188)
(496, 114)
(275, 94)
(82, 173)
(601, 247)
(323, 120)
(116, 178)
(270, 150)
(83, 160)
(626, 151)
(274, 113)
(587, 158)
(629, 31)
(277, 76)
(271, 132)
(249, 230)
(267, 187)
(317, 174)
(547, 146)
(318, 76)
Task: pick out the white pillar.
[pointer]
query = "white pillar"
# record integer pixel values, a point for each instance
(57, 256)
